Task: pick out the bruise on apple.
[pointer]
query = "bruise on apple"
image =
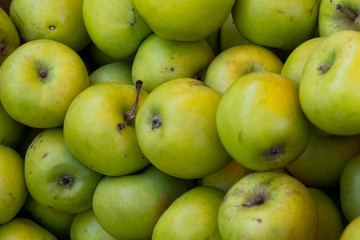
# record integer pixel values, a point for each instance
(272, 153)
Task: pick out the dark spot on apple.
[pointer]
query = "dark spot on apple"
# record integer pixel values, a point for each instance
(260, 196)
(134, 21)
(172, 69)
(66, 180)
(259, 220)
(272, 153)
(125, 155)
(52, 27)
(30, 172)
(172, 57)
(43, 73)
(2, 50)
(34, 147)
(44, 155)
(156, 122)
(56, 198)
(12, 196)
(324, 68)
(199, 76)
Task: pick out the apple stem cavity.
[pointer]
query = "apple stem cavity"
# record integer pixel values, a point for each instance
(347, 12)
(324, 68)
(273, 152)
(258, 200)
(43, 73)
(130, 115)
(66, 180)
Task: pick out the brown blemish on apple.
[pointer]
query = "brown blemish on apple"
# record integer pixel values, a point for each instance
(199, 76)
(272, 153)
(259, 220)
(44, 155)
(43, 73)
(66, 180)
(324, 68)
(259, 198)
(2, 50)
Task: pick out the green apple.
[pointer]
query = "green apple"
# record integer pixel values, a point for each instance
(237, 61)
(323, 160)
(85, 226)
(55, 178)
(99, 128)
(159, 60)
(330, 222)
(338, 15)
(328, 87)
(188, 20)
(112, 72)
(176, 129)
(61, 21)
(24, 229)
(260, 122)
(128, 207)
(281, 24)
(13, 190)
(295, 62)
(352, 230)
(193, 215)
(39, 80)
(268, 205)
(115, 26)
(9, 37)
(11, 131)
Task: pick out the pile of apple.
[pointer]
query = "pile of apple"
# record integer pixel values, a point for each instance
(195, 119)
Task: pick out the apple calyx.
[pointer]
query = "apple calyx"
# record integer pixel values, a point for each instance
(2, 50)
(43, 73)
(66, 180)
(273, 152)
(130, 115)
(156, 122)
(324, 68)
(346, 11)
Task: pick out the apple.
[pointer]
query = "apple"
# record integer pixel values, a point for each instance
(193, 215)
(13, 190)
(159, 60)
(281, 24)
(55, 178)
(99, 128)
(260, 122)
(11, 131)
(189, 20)
(9, 37)
(115, 27)
(237, 61)
(128, 207)
(268, 205)
(352, 230)
(338, 15)
(328, 86)
(112, 72)
(176, 129)
(42, 19)
(38, 82)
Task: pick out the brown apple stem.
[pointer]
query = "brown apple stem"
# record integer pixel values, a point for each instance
(43, 73)
(2, 50)
(256, 201)
(130, 115)
(347, 12)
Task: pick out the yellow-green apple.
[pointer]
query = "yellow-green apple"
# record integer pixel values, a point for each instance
(24, 229)
(237, 61)
(99, 128)
(61, 21)
(13, 191)
(287, 24)
(268, 205)
(328, 89)
(193, 215)
(128, 207)
(352, 230)
(159, 60)
(189, 20)
(260, 122)
(176, 129)
(112, 72)
(115, 27)
(55, 178)
(323, 160)
(9, 37)
(11, 131)
(39, 80)
(86, 226)
(330, 224)
(338, 15)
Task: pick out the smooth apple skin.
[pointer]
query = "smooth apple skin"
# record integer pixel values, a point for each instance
(13, 191)
(352, 230)
(193, 215)
(260, 122)
(112, 72)
(185, 144)
(287, 211)
(11, 131)
(237, 61)
(61, 21)
(184, 20)
(9, 37)
(329, 85)
(91, 129)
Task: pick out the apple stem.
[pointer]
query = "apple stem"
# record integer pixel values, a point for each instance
(130, 115)
(43, 73)
(347, 12)
(2, 50)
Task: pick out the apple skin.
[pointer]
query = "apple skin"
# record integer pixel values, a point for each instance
(282, 18)
(91, 129)
(328, 89)
(237, 61)
(128, 207)
(9, 37)
(176, 129)
(268, 205)
(332, 20)
(184, 20)
(193, 215)
(39, 80)
(55, 178)
(352, 230)
(43, 19)
(260, 122)
(115, 27)
(13, 191)
(11, 131)
(112, 72)
(159, 60)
